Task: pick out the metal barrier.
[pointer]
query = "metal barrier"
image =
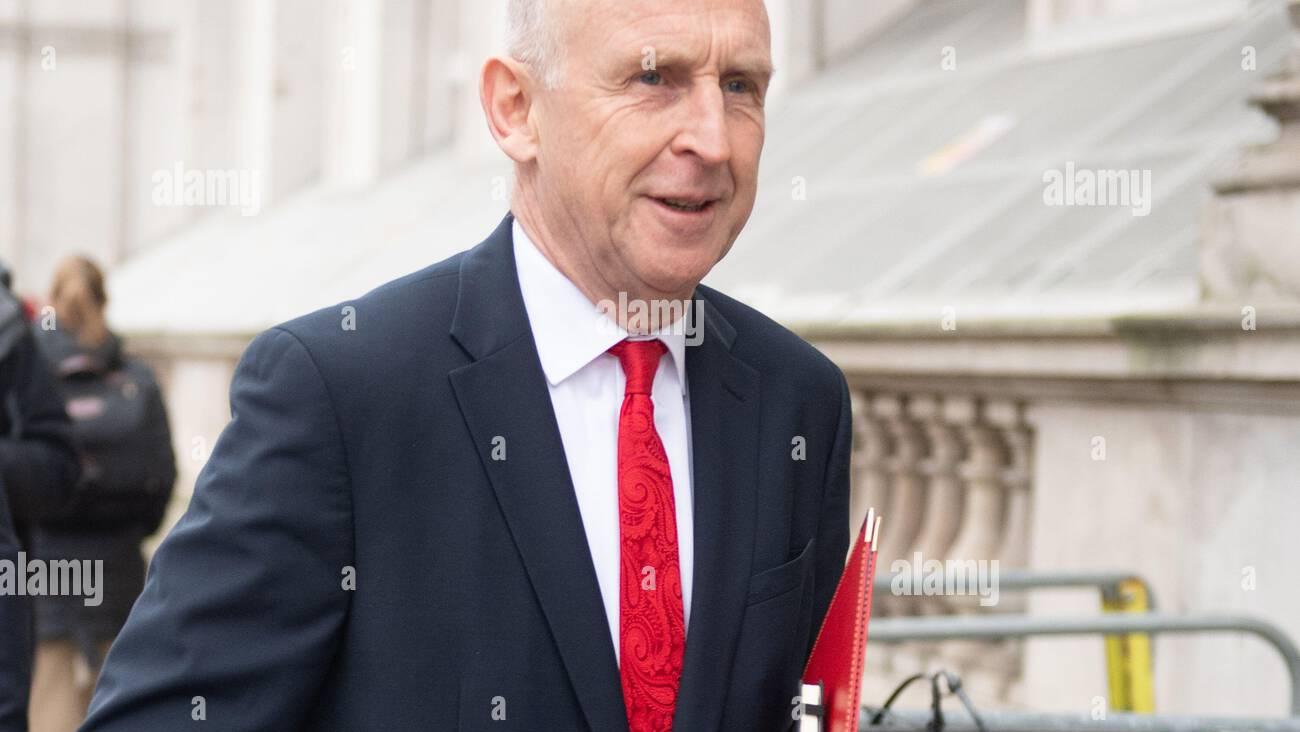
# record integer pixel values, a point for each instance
(959, 721)
(1130, 665)
(1130, 671)
(894, 630)
(1108, 583)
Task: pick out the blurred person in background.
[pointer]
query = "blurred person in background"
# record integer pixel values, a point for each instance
(128, 471)
(38, 469)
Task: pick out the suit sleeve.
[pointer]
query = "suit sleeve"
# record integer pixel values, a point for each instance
(38, 459)
(833, 526)
(244, 602)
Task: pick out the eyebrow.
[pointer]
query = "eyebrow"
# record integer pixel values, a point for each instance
(757, 67)
(748, 64)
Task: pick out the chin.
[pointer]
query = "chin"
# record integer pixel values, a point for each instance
(676, 271)
(670, 263)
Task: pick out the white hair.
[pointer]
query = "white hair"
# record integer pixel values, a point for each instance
(533, 39)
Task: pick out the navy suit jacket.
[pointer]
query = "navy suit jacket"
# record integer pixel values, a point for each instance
(370, 450)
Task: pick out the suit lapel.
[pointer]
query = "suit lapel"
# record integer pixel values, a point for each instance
(503, 394)
(724, 441)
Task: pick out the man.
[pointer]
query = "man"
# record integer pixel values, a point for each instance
(469, 500)
(38, 470)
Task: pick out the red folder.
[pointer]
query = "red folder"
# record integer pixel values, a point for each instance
(833, 677)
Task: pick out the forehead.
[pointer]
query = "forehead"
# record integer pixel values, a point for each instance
(694, 32)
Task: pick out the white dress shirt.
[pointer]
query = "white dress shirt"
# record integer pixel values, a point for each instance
(586, 386)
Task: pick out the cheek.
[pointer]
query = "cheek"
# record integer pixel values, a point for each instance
(635, 157)
(625, 143)
(746, 150)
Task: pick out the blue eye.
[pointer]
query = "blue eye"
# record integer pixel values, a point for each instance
(739, 86)
(652, 78)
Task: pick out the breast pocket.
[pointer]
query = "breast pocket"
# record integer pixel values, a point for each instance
(783, 578)
(765, 674)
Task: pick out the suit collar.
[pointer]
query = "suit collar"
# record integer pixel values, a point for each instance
(490, 310)
(489, 307)
(569, 330)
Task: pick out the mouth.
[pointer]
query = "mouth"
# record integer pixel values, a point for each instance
(686, 205)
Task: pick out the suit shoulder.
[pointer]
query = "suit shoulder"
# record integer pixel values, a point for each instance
(415, 300)
(766, 343)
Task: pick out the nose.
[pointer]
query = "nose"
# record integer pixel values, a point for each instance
(704, 127)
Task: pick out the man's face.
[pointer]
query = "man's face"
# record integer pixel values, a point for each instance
(650, 144)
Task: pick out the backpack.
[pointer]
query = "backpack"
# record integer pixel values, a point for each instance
(120, 424)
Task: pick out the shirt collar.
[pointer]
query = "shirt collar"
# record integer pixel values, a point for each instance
(570, 332)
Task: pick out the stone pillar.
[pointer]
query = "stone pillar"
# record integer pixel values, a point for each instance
(982, 519)
(979, 539)
(944, 509)
(942, 516)
(1250, 250)
(907, 505)
(1013, 552)
(65, 69)
(355, 72)
(943, 505)
(907, 484)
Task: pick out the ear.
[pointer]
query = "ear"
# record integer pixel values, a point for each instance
(506, 93)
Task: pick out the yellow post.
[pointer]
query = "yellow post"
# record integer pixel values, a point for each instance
(1128, 656)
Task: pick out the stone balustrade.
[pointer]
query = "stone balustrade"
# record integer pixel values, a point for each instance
(951, 474)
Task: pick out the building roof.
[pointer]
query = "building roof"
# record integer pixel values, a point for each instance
(891, 189)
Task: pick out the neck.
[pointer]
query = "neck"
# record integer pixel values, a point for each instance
(655, 308)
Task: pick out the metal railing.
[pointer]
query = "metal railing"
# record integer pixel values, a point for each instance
(1106, 582)
(959, 721)
(895, 630)
(1130, 668)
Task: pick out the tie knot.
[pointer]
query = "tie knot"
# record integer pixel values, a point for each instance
(640, 360)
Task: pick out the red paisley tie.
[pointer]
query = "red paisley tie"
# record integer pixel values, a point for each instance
(652, 631)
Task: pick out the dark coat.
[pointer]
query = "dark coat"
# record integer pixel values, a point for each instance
(15, 639)
(369, 449)
(120, 423)
(38, 469)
